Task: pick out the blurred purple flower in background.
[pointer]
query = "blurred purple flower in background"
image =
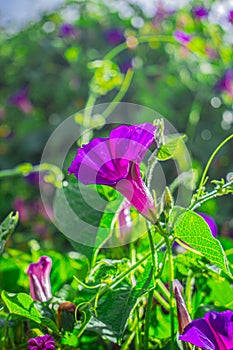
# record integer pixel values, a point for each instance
(225, 84)
(182, 37)
(124, 66)
(66, 30)
(114, 36)
(212, 332)
(20, 205)
(39, 275)
(21, 101)
(114, 162)
(200, 12)
(42, 342)
(230, 16)
(211, 223)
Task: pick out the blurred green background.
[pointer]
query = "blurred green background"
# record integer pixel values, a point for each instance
(48, 70)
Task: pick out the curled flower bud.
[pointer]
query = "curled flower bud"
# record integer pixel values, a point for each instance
(39, 275)
(182, 312)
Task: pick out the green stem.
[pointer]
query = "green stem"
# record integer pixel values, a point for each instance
(203, 178)
(147, 319)
(87, 118)
(171, 279)
(121, 93)
(188, 291)
(141, 40)
(120, 278)
(208, 196)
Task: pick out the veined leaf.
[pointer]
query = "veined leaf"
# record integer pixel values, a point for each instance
(192, 229)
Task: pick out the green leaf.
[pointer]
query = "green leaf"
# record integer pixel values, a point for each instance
(171, 148)
(87, 227)
(192, 229)
(6, 229)
(116, 305)
(22, 304)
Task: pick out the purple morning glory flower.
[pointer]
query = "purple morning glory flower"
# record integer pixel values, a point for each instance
(212, 332)
(66, 30)
(42, 342)
(200, 12)
(114, 36)
(230, 16)
(21, 101)
(225, 84)
(39, 275)
(114, 161)
(182, 37)
(211, 223)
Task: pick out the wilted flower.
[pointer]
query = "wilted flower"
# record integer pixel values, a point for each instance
(114, 36)
(21, 101)
(114, 161)
(225, 84)
(42, 342)
(211, 223)
(39, 275)
(182, 37)
(200, 12)
(66, 30)
(212, 332)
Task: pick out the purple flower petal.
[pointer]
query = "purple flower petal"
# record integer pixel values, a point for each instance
(42, 342)
(39, 274)
(66, 30)
(21, 101)
(182, 37)
(230, 16)
(114, 36)
(114, 162)
(225, 84)
(200, 12)
(213, 332)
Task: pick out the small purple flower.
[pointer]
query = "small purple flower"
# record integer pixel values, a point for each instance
(20, 205)
(230, 16)
(225, 84)
(124, 66)
(114, 162)
(200, 12)
(211, 223)
(212, 332)
(114, 36)
(21, 101)
(66, 30)
(42, 342)
(39, 275)
(182, 37)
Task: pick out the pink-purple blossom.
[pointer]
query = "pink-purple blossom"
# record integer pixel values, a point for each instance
(230, 16)
(114, 161)
(66, 30)
(39, 275)
(114, 36)
(42, 342)
(182, 37)
(200, 12)
(21, 100)
(225, 83)
(212, 332)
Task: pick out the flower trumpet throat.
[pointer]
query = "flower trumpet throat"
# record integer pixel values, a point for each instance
(115, 161)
